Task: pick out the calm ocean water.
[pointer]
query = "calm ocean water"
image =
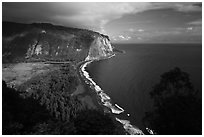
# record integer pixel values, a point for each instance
(128, 78)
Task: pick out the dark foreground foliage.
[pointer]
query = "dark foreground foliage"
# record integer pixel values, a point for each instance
(53, 90)
(178, 110)
(19, 115)
(91, 122)
(47, 108)
(27, 116)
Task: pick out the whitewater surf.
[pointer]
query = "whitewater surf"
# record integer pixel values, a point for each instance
(105, 100)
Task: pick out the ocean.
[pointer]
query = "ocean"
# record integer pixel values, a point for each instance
(127, 78)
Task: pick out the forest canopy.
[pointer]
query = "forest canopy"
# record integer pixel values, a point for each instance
(177, 108)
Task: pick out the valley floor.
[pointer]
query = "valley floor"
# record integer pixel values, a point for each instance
(16, 74)
(40, 76)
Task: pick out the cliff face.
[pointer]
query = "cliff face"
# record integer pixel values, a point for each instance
(46, 42)
(100, 48)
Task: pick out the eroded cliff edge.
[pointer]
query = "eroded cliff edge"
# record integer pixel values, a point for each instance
(47, 42)
(56, 86)
(100, 48)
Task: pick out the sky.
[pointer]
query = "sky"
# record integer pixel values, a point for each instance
(123, 22)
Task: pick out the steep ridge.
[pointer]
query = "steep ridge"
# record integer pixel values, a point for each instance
(47, 42)
(100, 48)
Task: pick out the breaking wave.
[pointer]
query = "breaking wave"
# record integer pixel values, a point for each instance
(106, 100)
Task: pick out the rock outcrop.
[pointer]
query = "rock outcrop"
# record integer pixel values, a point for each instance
(47, 42)
(100, 48)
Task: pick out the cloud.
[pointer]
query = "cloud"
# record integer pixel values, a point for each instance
(178, 6)
(87, 15)
(131, 30)
(135, 30)
(121, 38)
(188, 7)
(189, 28)
(196, 22)
(102, 13)
(99, 14)
(140, 30)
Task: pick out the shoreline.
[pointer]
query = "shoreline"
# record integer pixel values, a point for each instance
(104, 100)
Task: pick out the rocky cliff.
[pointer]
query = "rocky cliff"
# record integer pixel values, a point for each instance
(100, 48)
(47, 42)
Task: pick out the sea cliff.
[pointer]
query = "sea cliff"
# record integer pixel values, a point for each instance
(42, 42)
(100, 48)
(47, 42)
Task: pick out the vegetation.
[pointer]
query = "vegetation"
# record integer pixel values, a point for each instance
(43, 105)
(20, 115)
(53, 90)
(178, 110)
(92, 122)
(57, 43)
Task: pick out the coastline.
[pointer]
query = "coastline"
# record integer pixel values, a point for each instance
(103, 99)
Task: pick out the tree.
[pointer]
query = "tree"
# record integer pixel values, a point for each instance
(178, 110)
(94, 122)
(20, 115)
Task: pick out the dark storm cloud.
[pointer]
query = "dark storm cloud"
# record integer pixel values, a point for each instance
(37, 12)
(198, 4)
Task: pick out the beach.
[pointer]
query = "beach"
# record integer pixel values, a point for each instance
(103, 100)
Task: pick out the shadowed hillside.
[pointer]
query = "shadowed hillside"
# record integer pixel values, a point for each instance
(43, 41)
